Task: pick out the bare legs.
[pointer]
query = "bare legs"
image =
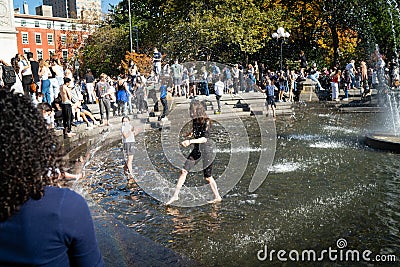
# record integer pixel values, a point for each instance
(128, 167)
(213, 184)
(273, 111)
(181, 181)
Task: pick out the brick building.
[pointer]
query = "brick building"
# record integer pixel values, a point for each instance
(47, 35)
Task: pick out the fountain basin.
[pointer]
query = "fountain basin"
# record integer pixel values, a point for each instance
(384, 141)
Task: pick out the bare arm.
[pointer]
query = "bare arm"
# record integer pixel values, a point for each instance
(188, 142)
(3, 62)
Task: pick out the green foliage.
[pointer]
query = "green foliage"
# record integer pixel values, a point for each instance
(105, 49)
(211, 27)
(330, 32)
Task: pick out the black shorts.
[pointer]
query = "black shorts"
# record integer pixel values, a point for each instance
(271, 101)
(205, 153)
(129, 148)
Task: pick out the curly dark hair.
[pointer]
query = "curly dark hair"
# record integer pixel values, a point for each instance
(30, 153)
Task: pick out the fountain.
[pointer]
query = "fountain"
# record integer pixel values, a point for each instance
(310, 199)
(389, 139)
(320, 189)
(324, 186)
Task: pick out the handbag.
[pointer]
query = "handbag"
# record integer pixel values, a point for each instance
(33, 88)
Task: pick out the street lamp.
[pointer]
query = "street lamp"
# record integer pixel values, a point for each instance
(130, 23)
(282, 35)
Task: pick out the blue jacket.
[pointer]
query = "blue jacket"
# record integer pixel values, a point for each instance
(163, 91)
(56, 230)
(122, 96)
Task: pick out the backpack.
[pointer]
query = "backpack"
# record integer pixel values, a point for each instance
(8, 75)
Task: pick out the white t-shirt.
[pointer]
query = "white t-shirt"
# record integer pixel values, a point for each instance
(46, 73)
(219, 88)
(17, 86)
(125, 128)
(350, 67)
(22, 64)
(58, 70)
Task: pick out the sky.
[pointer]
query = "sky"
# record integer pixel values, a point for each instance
(34, 3)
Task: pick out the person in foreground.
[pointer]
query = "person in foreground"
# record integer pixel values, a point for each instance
(202, 149)
(41, 224)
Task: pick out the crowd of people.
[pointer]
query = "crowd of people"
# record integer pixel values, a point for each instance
(46, 94)
(191, 79)
(53, 82)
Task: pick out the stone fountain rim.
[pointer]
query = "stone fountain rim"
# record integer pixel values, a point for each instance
(374, 142)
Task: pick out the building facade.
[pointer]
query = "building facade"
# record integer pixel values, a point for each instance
(8, 41)
(47, 36)
(79, 9)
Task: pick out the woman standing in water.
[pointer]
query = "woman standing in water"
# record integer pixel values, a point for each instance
(202, 149)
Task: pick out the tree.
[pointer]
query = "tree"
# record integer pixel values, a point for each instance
(105, 49)
(330, 32)
(214, 27)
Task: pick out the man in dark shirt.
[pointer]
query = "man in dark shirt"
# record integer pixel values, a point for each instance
(35, 69)
(303, 62)
(89, 82)
(157, 61)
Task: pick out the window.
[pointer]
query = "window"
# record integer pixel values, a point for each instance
(39, 53)
(25, 38)
(48, 25)
(37, 25)
(38, 38)
(23, 23)
(26, 50)
(50, 39)
(62, 26)
(63, 39)
(51, 52)
(73, 27)
(65, 55)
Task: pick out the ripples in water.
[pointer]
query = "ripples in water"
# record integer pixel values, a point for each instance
(324, 185)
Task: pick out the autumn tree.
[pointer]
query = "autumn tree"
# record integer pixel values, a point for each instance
(330, 32)
(142, 61)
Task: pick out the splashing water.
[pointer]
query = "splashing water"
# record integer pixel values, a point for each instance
(285, 167)
(328, 144)
(393, 5)
(394, 112)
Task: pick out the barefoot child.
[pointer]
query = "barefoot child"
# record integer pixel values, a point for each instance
(128, 140)
(270, 91)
